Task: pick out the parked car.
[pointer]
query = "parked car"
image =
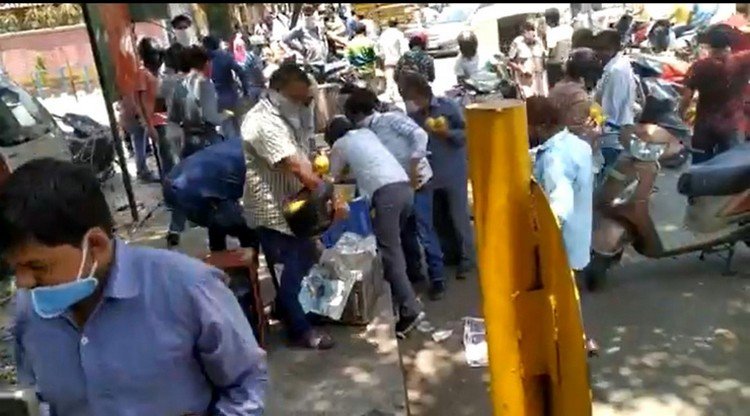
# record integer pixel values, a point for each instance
(27, 129)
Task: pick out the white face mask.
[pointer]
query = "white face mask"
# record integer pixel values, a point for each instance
(411, 106)
(183, 37)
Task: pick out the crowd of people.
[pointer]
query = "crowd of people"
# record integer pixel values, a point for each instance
(103, 324)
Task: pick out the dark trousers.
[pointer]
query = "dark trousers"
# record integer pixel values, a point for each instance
(297, 255)
(217, 236)
(711, 141)
(453, 225)
(428, 237)
(554, 73)
(395, 231)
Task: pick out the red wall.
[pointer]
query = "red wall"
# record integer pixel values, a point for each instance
(19, 51)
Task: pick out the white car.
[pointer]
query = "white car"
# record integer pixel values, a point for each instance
(27, 129)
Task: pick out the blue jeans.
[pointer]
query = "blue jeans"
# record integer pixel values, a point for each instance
(428, 237)
(610, 157)
(298, 256)
(139, 137)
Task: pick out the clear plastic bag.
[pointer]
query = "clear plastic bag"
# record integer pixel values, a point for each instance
(475, 342)
(325, 290)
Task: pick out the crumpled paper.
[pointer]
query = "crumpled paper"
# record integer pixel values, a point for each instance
(475, 342)
(326, 288)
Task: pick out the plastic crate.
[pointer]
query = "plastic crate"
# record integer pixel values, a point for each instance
(359, 222)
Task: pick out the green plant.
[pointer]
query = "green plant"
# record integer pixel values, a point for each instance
(41, 68)
(69, 13)
(9, 22)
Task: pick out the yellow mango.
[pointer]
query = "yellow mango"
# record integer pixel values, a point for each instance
(295, 206)
(321, 164)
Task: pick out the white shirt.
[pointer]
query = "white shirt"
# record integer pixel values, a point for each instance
(368, 159)
(557, 34)
(466, 67)
(391, 45)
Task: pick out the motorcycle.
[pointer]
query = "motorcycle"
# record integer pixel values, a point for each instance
(652, 183)
(484, 86)
(90, 143)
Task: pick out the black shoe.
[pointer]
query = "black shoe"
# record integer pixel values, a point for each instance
(407, 323)
(315, 340)
(437, 291)
(173, 240)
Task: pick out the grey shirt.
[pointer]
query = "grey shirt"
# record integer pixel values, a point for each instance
(370, 162)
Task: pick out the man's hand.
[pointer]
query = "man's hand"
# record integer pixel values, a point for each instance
(340, 209)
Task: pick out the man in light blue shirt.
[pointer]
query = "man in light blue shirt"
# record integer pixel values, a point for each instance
(381, 178)
(408, 143)
(616, 93)
(106, 328)
(563, 170)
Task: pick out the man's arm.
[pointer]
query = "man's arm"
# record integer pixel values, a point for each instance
(274, 144)
(409, 129)
(431, 70)
(685, 101)
(456, 134)
(337, 162)
(227, 349)
(209, 102)
(240, 73)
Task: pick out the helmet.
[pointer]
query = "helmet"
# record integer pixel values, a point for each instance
(467, 43)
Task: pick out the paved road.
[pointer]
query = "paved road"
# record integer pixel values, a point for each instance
(674, 333)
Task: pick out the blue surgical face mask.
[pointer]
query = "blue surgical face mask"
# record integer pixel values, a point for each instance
(52, 301)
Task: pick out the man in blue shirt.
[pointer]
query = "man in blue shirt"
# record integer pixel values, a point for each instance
(408, 143)
(224, 69)
(448, 158)
(106, 328)
(563, 170)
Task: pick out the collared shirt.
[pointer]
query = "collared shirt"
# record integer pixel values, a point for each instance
(361, 54)
(563, 169)
(392, 45)
(168, 338)
(466, 67)
(372, 165)
(269, 137)
(447, 156)
(223, 71)
(403, 138)
(419, 61)
(616, 93)
(311, 43)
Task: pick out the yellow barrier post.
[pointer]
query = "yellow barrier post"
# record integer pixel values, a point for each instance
(531, 309)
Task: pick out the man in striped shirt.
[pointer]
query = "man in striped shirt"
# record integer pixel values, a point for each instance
(276, 135)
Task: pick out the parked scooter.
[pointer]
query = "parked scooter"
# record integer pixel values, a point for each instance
(655, 201)
(90, 144)
(640, 204)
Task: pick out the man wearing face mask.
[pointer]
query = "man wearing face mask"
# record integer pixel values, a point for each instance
(183, 32)
(448, 158)
(308, 40)
(107, 328)
(276, 134)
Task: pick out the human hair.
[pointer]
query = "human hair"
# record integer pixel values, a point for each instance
(528, 26)
(418, 40)
(194, 57)
(360, 29)
(717, 37)
(608, 39)
(360, 16)
(552, 17)
(151, 54)
(582, 64)
(180, 19)
(337, 128)
(582, 38)
(393, 22)
(415, 82)
(51, 202)
(173, 57)
(541, 111)
(287, 73)
(361, 101)
(211, 43)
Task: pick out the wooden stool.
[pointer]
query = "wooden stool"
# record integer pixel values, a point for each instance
(231, 261)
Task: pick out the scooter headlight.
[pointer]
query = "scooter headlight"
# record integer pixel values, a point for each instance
(645, 151)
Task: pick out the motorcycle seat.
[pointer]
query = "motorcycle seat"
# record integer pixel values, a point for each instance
(727, 173)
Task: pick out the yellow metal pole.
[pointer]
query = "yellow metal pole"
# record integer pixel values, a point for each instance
(534, 331)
